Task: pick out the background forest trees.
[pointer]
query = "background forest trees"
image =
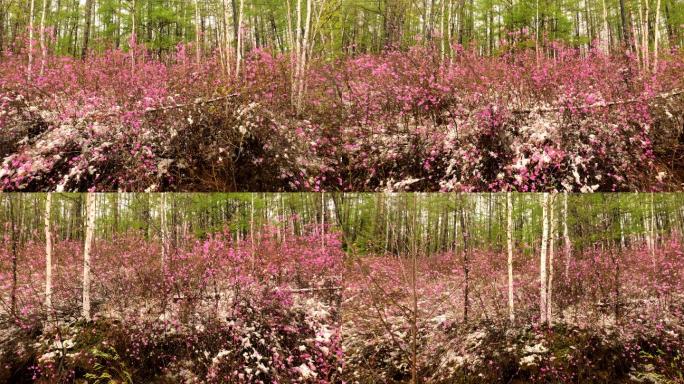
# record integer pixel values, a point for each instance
(333, 27)
(415, 278)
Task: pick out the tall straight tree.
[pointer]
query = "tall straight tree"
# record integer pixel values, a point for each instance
(566, 237)
(30, 50)
(552, 237)
(43, 44)
(48, 256)
(198, 33)
(238, 48)
(87, 253)
(542, 260)
(86, 28)
(509, 237)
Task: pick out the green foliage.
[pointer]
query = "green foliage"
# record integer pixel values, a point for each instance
(108, 368)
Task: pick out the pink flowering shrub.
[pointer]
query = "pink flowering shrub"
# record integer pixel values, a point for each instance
(217, 311)
(397, 120)
(617, 313)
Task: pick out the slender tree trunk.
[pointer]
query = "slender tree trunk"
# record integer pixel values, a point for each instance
(414, 322)
(466, 263)
(15, 255)
(303, 57)
(605, 40)
(86, 30)
(2, 27)
(87, 251)
(164, 233)
(238, 58)
(656, 37)
(132, 43)
(509, 233)
(43, 45)
(542, 260)
(30, 50)
(48, 257)
(566, 237)
(198, 34)
(323, 220)
(228, 45)
(251, 230)
(552, 238)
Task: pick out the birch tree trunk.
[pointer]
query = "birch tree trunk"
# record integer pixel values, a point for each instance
(552, 237)
(238, 49)
(303, 56)
(133, 36)
(87, 250)
(323, 220)
(228, 46)
(566, 237)
(656, 37)
(48, 257)
(542, 259)
(43, 45)
(605, 43)
(198, 34)
(30, 50)
(164, 233)
(509, 233)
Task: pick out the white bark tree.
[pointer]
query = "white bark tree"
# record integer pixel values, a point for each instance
(566, 236)
(238, 49)
(552, 237)
(87, 251)
(43, 44)
(48, 256)
(656, 37)
(164, 233)
(542, 260)
(605, 42)
(509, 233)
(198, 34)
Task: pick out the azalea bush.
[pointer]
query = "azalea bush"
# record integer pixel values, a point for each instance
(401, 120)
(216, 311)
(618, 314)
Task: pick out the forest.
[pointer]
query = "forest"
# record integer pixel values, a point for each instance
(342, 287)
(341, 95)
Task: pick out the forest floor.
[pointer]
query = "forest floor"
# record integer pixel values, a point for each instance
(587, 342)
(402, 121)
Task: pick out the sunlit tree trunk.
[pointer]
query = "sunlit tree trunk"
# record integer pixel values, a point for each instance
(30, 50)
(301, 64)
(238, 49)
(198, 34)
(605, 39)
(542, 259)
(48, 257)
(656, 37)
(164, 233)
(133, 36)
(552, 238)
(323, 220)
(566, 237)
(15, 254)
(87, 251)
(509, 236)
(251, 229)
(466, 265)
(43, 45)
(228, 46)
